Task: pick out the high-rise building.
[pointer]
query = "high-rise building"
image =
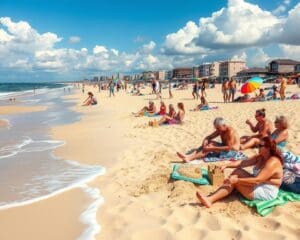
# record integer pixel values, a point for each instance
(229, 69)
(183, 73)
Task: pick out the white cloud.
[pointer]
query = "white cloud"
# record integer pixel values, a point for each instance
(290, 51)
(279, 10)
(148, 48)
(74, 39)
(99, 49)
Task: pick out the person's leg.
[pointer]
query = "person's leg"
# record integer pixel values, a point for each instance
(252, 142)
(226, 189)
(244, 139)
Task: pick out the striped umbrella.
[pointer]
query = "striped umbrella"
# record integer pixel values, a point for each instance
(249, 87)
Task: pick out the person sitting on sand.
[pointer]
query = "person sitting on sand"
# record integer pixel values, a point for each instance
(261, 96)
(229, 138)
(263, 127)
(245, 98)
(263, 184)
(162, 109)
(91, 100)
(280, 135)
(203, 105)
(147, 111)
(172, 117)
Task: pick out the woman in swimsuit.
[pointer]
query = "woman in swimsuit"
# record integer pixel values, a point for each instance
(146, 111)
(280, 135)
(162, 109)
(178, 119)
(202, 106)
(91, 100)
(263, 184)
(263, 127)
(171, 115)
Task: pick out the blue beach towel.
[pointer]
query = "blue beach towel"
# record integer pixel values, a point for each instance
(225, 156)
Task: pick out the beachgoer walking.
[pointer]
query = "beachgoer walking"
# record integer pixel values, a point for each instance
(283, 85)
(111, 86)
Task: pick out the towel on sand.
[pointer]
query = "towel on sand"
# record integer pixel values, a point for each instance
(201, 181)
(224, 156)
(263, 208)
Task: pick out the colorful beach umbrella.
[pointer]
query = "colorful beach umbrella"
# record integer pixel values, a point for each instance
(256, 79)
(249, 87)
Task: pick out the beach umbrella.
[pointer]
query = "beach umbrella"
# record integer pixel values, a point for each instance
(256, 79)
(249, 87)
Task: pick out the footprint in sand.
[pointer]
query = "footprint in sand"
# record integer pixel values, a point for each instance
(212, 223)
(190, 233)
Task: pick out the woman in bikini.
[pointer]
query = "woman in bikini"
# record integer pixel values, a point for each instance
(263, 184)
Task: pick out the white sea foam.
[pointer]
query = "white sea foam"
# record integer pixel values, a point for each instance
(89, 216)
(29, 145)
(67, 188)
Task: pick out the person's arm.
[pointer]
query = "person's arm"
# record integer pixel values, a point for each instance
(240, 164)
(252, 127)
(283, 136)
(210, 137)
(228, 147)
(264, 175)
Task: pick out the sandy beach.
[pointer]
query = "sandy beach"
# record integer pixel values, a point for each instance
(140, 200)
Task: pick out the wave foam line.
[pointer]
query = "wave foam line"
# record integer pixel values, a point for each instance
(72, 186)
(89, 216)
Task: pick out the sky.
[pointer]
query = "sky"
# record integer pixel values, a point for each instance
(63, 40)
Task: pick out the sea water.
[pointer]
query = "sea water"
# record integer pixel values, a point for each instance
(29, 171)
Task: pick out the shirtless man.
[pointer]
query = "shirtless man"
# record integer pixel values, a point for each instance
(232, 89)
(263, 127)
(225, 90)
(282, 88)
(229, 138)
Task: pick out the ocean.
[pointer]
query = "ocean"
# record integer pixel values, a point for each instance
(29, 171)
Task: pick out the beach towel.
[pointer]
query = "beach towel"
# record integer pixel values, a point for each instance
(200, 181)
(208, 108)
(264, 208)
(225, 156)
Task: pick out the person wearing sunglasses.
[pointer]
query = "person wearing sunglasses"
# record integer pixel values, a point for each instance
(263, 128)
(262, 184)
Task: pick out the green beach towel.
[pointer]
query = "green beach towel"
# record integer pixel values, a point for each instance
(263, 208)
(200, 181)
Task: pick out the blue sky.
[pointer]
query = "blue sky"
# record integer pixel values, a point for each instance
(141, 34)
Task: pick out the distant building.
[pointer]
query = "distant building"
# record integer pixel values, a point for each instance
(253, 72)
(214, 71)
(229, 69)
(149, 75)
(95, 79)
(196, 72)
(168, 75)
(204, 70)
(297, 68)
(281, 66)
(160, 75)
(183, 73)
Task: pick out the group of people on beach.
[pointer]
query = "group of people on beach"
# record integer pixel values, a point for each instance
(274, 166)
(199, 87)
(167, 117)
(229, 88)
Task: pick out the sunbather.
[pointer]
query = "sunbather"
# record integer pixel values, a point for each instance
(263, 184)
(147, 111)
(229, 137)
(162, 109)
(202, 105)
(263, 127)
(91, 100)
(280, 135)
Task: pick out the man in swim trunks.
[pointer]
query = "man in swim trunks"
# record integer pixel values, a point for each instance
(225, 90)
(229, 138)
(232, 89)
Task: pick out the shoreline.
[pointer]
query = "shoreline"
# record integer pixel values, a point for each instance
(140, 202)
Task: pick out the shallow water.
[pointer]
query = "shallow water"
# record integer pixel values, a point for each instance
(28, 170)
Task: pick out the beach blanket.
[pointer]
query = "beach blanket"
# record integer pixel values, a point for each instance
(225, 156)
(200, 181)
(264, 208)
(208, 108)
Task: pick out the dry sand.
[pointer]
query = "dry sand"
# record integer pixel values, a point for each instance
(140, 200)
